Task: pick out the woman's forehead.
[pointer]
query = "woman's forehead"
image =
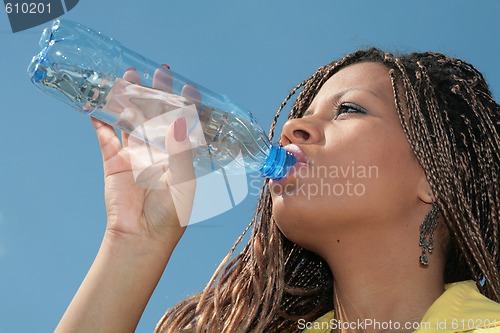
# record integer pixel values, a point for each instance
(368, 77)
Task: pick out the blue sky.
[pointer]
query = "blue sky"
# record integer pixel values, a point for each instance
(52, 214)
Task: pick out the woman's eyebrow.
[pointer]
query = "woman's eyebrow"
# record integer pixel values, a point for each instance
(340, 94)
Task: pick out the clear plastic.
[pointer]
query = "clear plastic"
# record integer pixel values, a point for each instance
(100, 77)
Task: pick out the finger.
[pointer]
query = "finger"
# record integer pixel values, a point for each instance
(178, 146)
(108, 140)
(125, 137)
(132, 75)
(180, 175)
(192, 93)
(132, 117)
(162, 79)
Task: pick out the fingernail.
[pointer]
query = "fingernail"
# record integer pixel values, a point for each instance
(166, 66)
(180, 129)
(130, 69)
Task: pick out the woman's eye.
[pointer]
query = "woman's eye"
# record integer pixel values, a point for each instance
(346, 108)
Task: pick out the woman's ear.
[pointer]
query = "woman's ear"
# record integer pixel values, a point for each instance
(424, 191)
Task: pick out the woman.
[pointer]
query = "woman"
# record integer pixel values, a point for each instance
(390, 218)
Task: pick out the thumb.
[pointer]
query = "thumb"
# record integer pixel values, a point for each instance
(180, 175)
(180, 154)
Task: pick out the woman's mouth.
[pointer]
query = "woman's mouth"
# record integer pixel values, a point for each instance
(297, 152)
(302, 162)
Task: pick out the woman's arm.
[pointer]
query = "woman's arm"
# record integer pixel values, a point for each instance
(146, 219)
(118, 286)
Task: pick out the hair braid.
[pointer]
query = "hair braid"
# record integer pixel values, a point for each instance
(464, 133)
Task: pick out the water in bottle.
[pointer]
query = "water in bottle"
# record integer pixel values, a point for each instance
(100, 77)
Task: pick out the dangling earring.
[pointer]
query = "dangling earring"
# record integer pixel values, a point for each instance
(427, 229)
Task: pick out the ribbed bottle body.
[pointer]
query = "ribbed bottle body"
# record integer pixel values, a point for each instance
(100, 77)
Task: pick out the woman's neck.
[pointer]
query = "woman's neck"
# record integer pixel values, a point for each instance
(380, 287)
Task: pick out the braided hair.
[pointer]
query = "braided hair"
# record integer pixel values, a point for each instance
(452, 125)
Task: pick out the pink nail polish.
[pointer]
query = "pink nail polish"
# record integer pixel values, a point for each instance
(166, 66)
(180, 129)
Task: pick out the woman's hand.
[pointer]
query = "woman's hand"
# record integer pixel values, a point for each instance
(136, 206)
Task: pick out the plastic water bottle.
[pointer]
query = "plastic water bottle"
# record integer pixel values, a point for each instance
(92, 73)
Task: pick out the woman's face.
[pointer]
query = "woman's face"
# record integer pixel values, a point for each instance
(356, 173)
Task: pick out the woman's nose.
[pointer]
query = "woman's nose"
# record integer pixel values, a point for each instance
(300, 130)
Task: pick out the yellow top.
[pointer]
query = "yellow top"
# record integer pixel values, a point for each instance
(461, 308)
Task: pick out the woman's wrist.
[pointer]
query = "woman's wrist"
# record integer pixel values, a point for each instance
(134, 244)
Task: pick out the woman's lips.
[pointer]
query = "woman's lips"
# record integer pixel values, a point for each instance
(297, 152)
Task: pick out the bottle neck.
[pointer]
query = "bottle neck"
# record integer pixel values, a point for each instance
(278, 163)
